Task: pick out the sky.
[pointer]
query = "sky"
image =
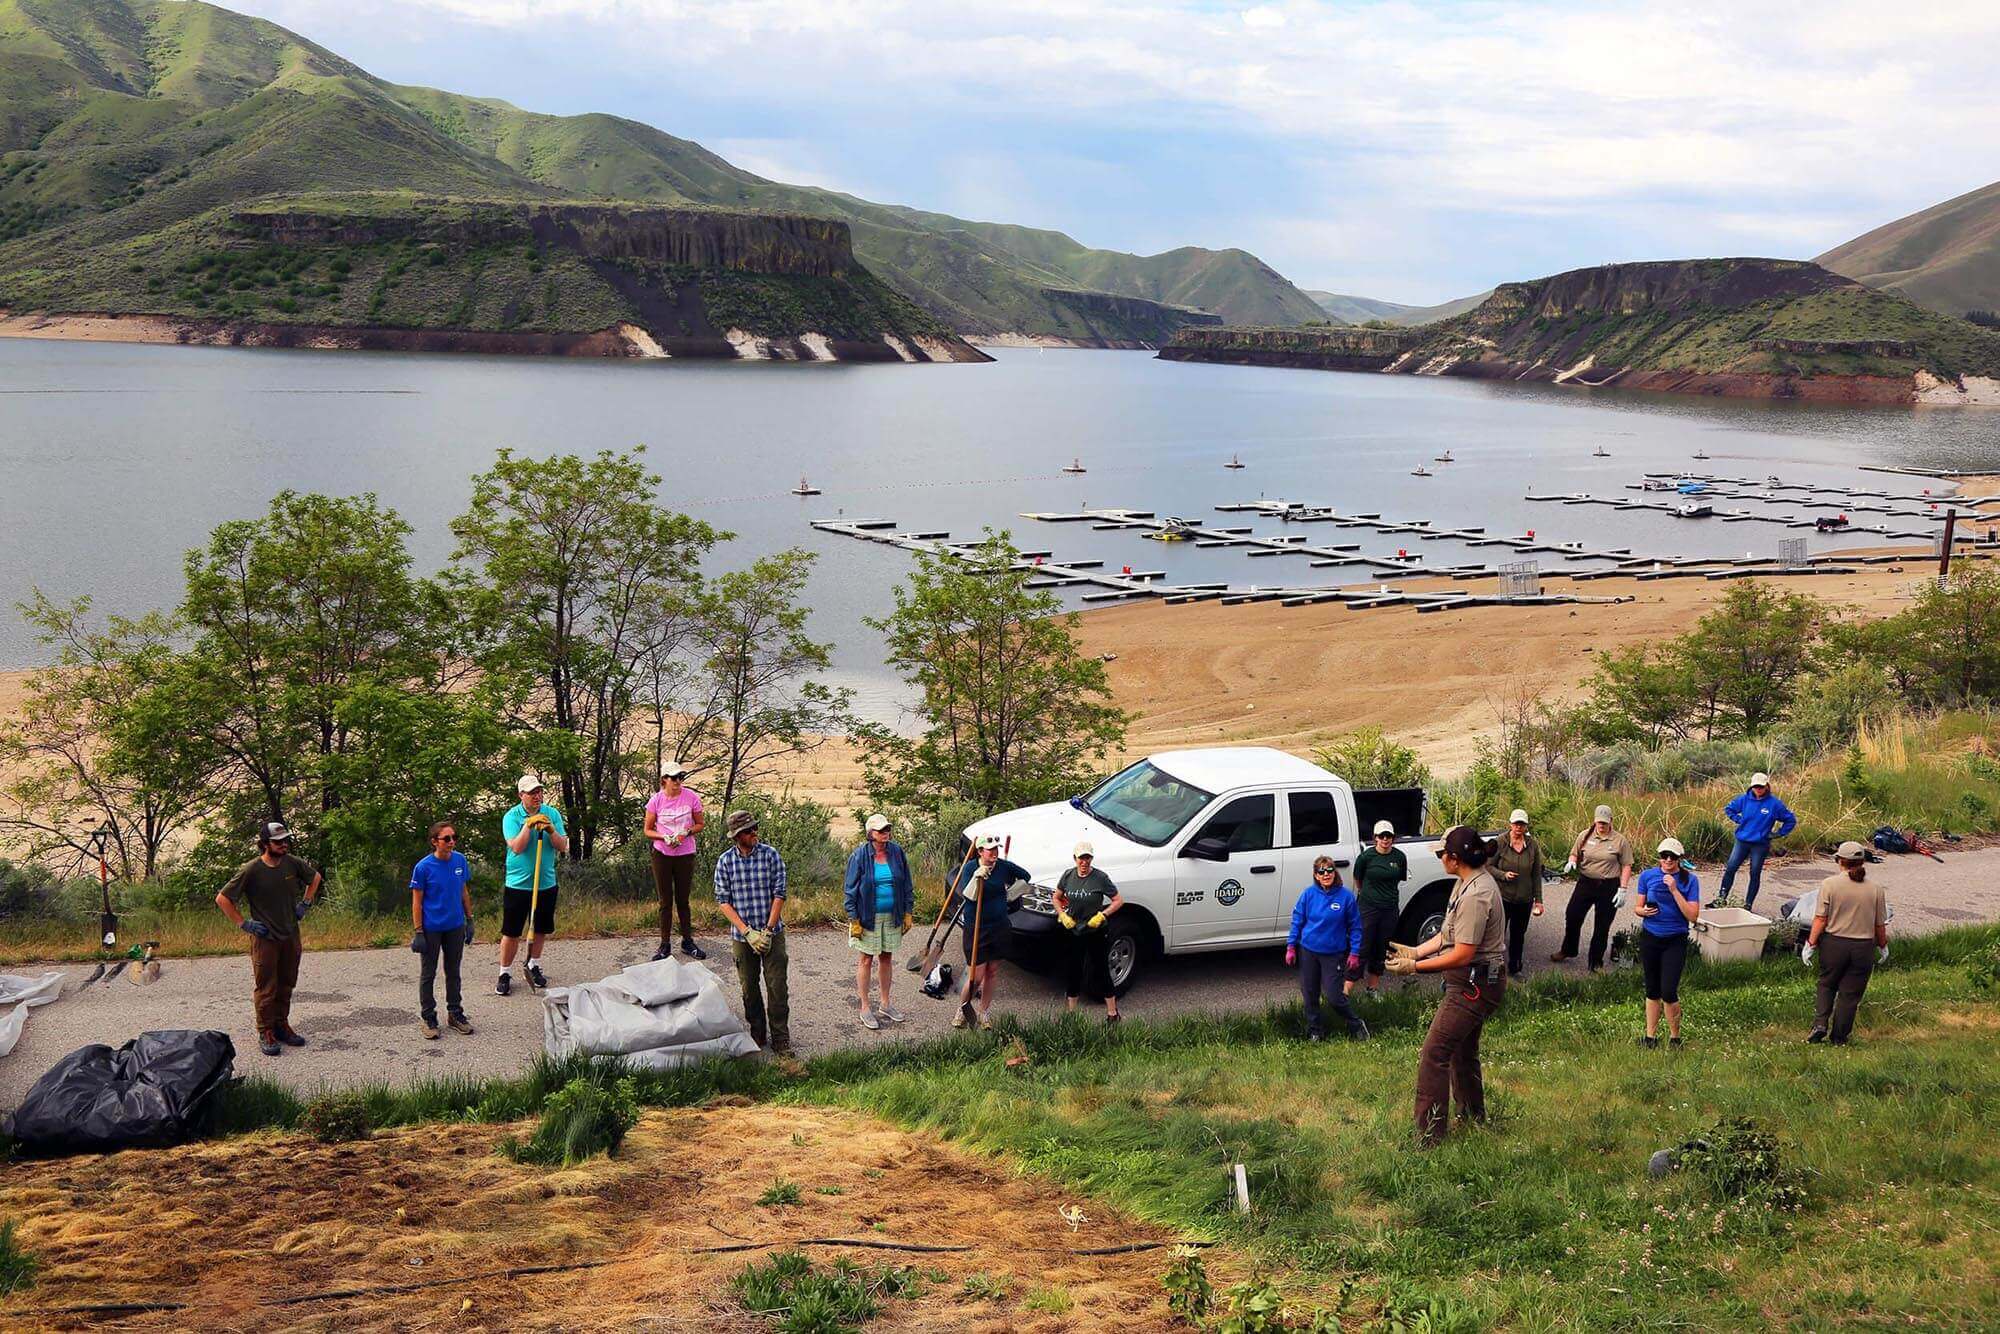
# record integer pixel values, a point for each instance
(1408, 151)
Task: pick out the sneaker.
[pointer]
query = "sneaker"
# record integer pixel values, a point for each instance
(986, 1022)
(958, 1019)
(268, 1044)
(459, 1024)
(291, 1037)
(1649, 1042)
(1110, 1019)
(1315, 1037)
(1560, 957)
(893, 1015)
(430, 1029)
(692, 950)
(504, 985)
(662, 953)
(536, 978)
(869, 1021)
(1673, 1044)
(1817, 1035)
(1358, 1033)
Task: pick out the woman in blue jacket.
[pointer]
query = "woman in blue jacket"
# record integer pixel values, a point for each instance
(1759, 817)
(981, 891)
(1668, 904)
(880, 901)
(1325, 946)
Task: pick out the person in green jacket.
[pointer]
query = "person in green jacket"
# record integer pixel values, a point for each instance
(1518, 868)
(1379, 873)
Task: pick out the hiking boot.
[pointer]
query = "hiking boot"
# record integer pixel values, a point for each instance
(536, 978)
(692, 950)
(291, 1037)
(1817, 1035)
(1110, 1019)
(1649, 1042)
(868, 1020)
(1673, 1044)
(782, 1048)
(664, 952)
(268, 1044)
(958, 1020)
(459, 1025)
(504, 985)
(430, 1029)
(893, 1015)
(1358, 1033)
(1560, 957)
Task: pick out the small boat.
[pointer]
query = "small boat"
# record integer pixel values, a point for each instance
(1443, 458)
(1176, 530)
(1831, 523)
(1600, 453)
(1076, 465)
(1234, 463)
(1701, 453)
(1656, 484)
(1420, 471)
(805, 488)
(1778, 481)
(1693, 511)
(1691, 488)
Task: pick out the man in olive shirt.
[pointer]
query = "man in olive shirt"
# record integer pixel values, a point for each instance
(267, 898)
(1379, 873)
(1850, 933)
(1603, 860)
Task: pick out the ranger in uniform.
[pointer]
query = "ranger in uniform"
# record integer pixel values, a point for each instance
(1850, 934)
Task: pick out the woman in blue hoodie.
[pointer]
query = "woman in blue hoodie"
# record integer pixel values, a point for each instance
(1325, 946)
(1759, 817)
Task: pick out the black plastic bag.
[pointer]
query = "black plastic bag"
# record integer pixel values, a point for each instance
(150, 1092)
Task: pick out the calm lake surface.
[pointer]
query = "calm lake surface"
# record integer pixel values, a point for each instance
(117, 458)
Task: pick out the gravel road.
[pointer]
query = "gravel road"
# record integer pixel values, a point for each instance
(358, 1007)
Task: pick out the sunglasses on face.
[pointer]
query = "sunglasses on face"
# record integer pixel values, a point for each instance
(1084, 857)
(447, 838)
(1322, 870)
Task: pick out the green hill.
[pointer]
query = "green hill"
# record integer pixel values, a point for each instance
(1362, 309)
(1946, 257)
(130, 128)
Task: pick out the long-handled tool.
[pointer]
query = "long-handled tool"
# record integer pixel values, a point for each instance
(965, 1010)
(107, 921)
(926, 961)
(534, 901)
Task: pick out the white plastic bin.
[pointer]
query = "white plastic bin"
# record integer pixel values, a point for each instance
(1730, 934)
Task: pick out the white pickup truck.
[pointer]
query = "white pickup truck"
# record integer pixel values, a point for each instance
(1209, 849)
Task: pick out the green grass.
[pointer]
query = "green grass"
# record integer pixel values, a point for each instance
(803, 1298)
(17, 1267)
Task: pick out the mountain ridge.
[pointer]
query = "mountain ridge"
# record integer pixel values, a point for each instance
(1946, 257)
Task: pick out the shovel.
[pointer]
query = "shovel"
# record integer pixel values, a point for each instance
(534, 900)
(926, 961)
(965, 1009)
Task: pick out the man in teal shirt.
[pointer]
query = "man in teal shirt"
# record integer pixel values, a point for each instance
(534, 831)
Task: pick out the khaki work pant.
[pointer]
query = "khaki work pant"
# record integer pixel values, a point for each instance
(1449, 1062)
(1844, 965)
(274, 967)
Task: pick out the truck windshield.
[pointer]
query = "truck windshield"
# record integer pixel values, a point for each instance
(1146, 803)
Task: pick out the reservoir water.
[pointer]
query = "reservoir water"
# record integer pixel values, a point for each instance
(117, 458)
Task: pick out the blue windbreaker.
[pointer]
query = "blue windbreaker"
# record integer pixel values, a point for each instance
(860, 885)
(1760, 821)
(1327, 921)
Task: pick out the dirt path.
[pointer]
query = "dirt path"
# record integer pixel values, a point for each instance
(358, 1008)
(232, 1230)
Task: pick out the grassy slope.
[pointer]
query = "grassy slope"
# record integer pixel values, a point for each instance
(1361, 309)
(1946, 257)
(1697, 331)
(1546, 1220)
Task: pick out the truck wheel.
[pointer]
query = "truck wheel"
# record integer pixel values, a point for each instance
(1432, 923)
(1124, 951)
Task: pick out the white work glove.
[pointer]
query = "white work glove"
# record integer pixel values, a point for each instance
(1806, 952)
(1618, 900)
(971, 890)
(1881, 954)
(1569, 867)
(981, 872)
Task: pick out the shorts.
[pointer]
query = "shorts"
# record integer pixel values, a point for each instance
(883, 939)
(993, 943)
(514, 911)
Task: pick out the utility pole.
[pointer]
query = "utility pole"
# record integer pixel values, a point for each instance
(1944, 546)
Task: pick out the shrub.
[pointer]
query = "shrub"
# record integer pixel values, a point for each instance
(1706, 838)
(585, 1117)
(781, 1192)
(1189, 1293)
(1737, 1160)
(28, 891)
(1366, 758)
(17, 1267)
(804, 1299)
(1831, 710)
(337, 1118)
(1983, 970)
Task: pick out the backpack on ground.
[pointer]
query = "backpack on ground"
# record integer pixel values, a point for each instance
(1890, 839)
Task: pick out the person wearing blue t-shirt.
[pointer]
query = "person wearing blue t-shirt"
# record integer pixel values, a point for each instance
(441, 910)
(1667, 903)
(535, 833)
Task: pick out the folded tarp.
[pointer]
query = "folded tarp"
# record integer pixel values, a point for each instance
(23, 994)
(150, 1092)
(659, 1015)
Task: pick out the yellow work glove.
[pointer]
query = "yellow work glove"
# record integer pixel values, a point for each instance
(1398, 950)
(853, 929)
(909, 921)
(759, 941)
(538, 821)
(1402, 965)
(1097, 921)
(1068, 922)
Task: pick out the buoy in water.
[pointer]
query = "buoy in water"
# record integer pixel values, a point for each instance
(1233, 463)
(805, 488)
(1076, 465)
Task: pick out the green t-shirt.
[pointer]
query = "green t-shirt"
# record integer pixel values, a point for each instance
(1379, 877)
(266, 893)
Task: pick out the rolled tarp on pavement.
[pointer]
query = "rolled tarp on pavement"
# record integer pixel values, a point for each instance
(23, 994)
(659, 1015)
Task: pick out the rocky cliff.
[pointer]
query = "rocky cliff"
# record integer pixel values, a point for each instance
(1327, 349)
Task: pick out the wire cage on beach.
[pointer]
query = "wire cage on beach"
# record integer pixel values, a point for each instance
(1521, 579)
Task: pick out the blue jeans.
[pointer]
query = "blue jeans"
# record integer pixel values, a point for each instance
(1754, 853)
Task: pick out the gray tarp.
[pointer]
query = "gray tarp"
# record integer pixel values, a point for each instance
(660, 1015)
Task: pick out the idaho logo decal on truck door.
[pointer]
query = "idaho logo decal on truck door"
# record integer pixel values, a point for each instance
(1228, 893)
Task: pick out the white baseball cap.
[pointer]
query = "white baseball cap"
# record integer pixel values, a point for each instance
(1083, 849)
(1384, 827)
(1760, 780)
(1672, 845)
(1518, 817)
(673, 769)
(528, 783)
(876, 821)
(985, 841)
(1603, 814)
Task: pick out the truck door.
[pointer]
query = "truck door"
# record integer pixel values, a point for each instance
(1314, 828)
(1226, 875)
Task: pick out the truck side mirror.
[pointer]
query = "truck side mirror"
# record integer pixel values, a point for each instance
(1208, 848)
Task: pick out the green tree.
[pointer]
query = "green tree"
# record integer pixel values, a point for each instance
(1013, 712)
(576, 574)
(1953, 631)
(760, 702)
(1747, 656)
(1367, 758)
(1642, 694)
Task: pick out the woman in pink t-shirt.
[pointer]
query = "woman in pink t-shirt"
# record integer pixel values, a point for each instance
(673, 818)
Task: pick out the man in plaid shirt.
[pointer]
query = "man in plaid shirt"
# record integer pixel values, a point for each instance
(750, 887)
